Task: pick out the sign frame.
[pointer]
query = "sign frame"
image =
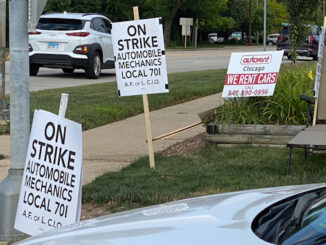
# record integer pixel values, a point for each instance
(252, 74)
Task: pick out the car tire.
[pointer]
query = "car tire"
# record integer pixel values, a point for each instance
(93, 71)
(68, 70)
(33, 69)
(270, 43)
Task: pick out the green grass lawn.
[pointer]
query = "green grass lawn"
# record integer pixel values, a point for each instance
(214, 169)
(98, 104)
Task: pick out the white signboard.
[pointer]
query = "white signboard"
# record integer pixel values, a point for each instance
(185, 30)
(319, 63)
(140, 57)
(50, 190)
(252, 74)
(186, 21)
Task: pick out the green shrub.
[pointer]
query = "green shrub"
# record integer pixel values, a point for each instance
(284, 107)
(5, 128)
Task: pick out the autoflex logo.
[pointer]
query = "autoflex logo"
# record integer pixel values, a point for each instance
(256, 59)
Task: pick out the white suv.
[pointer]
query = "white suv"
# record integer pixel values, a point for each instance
(70, 41)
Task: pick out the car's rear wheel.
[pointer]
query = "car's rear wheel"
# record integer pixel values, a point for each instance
(33, 70)
(93, 71)
(270, 43)
(68, 70)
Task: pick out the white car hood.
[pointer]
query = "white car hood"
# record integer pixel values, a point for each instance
(211, 220)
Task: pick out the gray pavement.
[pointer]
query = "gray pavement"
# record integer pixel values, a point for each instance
(115, 145)
(177, 61)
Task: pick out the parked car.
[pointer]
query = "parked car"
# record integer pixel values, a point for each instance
(308, 48)
(70, 41)
(240, 36)
(236, 36)
(272, 39)
(279, 215)
(214, 38)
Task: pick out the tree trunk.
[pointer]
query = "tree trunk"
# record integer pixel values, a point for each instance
(169, 20)
(167, 31)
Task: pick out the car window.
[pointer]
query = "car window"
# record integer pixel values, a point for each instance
(315, 30)
(311, 230)
(98, 25)
(108, 26)
(299, 220)
(59, 24)
(285, 30)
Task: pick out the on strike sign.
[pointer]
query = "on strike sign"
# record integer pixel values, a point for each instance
(50, 190)
(252, 74)
(140, 57)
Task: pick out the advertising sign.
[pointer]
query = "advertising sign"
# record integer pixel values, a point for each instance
(252, 74)
(139, 52)
(51, 185)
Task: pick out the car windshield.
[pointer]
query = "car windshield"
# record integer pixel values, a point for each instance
(312, 229)
(52, 24)
(299, 220)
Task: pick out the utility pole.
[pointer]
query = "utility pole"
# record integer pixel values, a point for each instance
(2, 53)
(19, 120)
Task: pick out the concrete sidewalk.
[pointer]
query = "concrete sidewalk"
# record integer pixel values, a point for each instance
(115, 145)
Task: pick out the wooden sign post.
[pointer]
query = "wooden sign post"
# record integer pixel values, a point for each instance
(320, 73)
(146, 112)
(140, 63)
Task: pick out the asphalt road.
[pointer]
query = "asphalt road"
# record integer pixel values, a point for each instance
(177, 61)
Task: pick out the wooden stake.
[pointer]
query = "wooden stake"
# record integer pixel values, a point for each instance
(63, 105)
(146, 113)
(172, 133)
(314, 120)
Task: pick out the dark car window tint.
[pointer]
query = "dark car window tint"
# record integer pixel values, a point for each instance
(97, 25)
(59, 24)
(108, 25)
(299, 220)
(312, 229)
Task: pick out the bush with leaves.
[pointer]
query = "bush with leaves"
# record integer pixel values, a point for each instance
(284, 107)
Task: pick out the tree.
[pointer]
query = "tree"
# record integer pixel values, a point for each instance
(276, 15)
(301, 13)
(238, 11)
(115, 10)
(208, 11)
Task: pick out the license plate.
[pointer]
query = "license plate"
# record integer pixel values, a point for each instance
(53, 45)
